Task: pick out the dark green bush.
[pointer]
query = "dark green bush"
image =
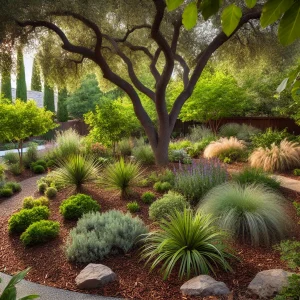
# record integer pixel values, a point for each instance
(19, 221)
(296, 172)
(162, 187)
(40, 232)
(77, 205)
(6, 192)
(11, 158)
(257, 176)
(292, 290)
(267, 138)
(50, 164)
(166, 205)
(42, 163)
(51, 192)
(232, 155)
(148, 197)
(42, 187)
(133, 207)
(16, 187)
(38, 169)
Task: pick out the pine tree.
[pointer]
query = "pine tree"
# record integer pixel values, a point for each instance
(36, 84)
(49, 98)
(62, 110)
(21, 80)
(6, 85)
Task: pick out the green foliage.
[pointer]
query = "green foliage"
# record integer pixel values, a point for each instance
(292, 290)
(196, 180)
(179, 145)
(6, 85)
(16, 187)
(133, 207)
(267, 138)
(20, 221)
(143, 154)
(197, 148)
(6, 192)
(40, 232)
(40, 162)
(162, 186)
(97, 236)
(62, 109)
(242, 132)
(179, 156)
(125, 147)
(38, 169)
(198, 133)
(10, 291)
(2, 173)
(290, 253)
(75, 206)
(162, 208)
(252, 213)
(16, 169)
(77, 171)
(42, 187)
(30, 202)
(148, 197)
(164, 176)
(49, 98)
(230, 18)
(296, 172)
(255, 176)
(21, 92)
(188, 240)
(51, 192)
(11, 158)
(112, 121)
(31, 155)
(122, 176)
(36, 84)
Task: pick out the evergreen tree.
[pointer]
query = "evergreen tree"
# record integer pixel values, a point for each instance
(6, 85)
(21, 81)
(49, 98)
(36, 84)
(62, 110)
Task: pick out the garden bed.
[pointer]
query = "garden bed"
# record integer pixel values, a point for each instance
(50, 266)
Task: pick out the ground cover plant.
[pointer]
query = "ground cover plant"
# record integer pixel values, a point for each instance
(252, 213)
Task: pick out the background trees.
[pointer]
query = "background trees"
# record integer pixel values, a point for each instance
(21, 92)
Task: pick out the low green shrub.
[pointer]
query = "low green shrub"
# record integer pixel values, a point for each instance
(191, 241)
(180, 145)
(199, 133)
(258, 176)
(143, 154)
(30, 202)
(292, 290)
(42, 163)
(77, 205)
(133, 207)
(50, 164)
(163, 207)
(164, 176)
(15, 168)
(290, 253)
(42, 187)
(148, 197)
(125, 147)
(296, 172)
(240, 131)
(51, 192)
(20, 221)
(31, 155)
(11, 157)
(6, 192)
(197, 148)
(40, 232)
(269, 137)
(179, 156)
(232, 154)
(162, 187)
(16, 187)
(252, 213)
(38, 169)
(97, 236)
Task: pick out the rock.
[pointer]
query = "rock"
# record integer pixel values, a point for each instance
(268, 283)
(204, 285)
(94, 276)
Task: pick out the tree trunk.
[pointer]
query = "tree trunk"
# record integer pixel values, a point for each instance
(161, 151)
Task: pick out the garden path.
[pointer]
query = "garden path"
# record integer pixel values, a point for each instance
(288, 183)
(49, 293)
(9, 205)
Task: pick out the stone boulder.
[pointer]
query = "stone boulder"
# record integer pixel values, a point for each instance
(95, 276)
(204, 285)
(268, 283)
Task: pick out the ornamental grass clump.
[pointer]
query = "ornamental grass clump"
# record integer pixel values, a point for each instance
(143, 154)
(77, 171)
(97, 236)
(251, 213)
(286, 156)
(122, 177)
(187, 240)
(225, 146)
(195, 180)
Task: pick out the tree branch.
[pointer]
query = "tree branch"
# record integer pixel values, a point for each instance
(139, 48)
(153, 68)
(129, 31)
(186, 69)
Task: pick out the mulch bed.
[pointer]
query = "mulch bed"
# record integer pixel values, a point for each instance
(50, 267)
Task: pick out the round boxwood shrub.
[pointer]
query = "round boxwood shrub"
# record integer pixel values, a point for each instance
(42, 163)
(166, 205)
(16, 187)
(162, 187)
(20, 221)
(50, 164)
(133, 207)
(77, 205)
(51, 192)
(40, 232)
(42, 187)
(38, 169)
(6, 192)
(30, 202)
(148, 197)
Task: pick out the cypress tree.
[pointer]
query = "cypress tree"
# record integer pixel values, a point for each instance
(49, 98)
(62, 110)
(21, 80)
(36, 84)
(6, 85)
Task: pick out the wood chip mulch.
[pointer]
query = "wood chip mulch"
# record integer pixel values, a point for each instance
(50, 267)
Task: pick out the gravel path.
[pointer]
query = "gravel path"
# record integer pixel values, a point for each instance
(9, 205)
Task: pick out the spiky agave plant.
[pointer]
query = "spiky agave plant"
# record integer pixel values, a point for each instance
(122, 176)
(189, 240)
(286, 156)
(76, 171)
(251, 213)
